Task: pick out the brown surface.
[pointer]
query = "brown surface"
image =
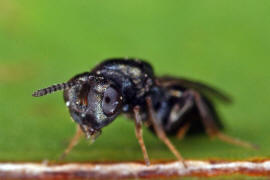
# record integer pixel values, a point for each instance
(133, 170)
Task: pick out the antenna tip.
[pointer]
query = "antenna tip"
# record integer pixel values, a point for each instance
(38, 93)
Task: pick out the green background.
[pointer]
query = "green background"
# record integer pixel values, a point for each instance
(224, 43)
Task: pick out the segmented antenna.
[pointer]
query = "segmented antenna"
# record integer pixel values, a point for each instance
(53, 88)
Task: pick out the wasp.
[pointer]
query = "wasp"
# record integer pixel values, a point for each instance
(168, 106)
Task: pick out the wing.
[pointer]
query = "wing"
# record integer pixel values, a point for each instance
(207, 90)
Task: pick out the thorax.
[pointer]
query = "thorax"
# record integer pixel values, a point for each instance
(133, 78)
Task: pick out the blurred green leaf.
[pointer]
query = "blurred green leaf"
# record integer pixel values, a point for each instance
(224, 43)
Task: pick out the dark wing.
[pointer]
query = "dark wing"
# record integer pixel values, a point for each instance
(207, 90)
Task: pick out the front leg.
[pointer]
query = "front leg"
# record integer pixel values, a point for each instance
(72, 142)
(160, 132)
(139, 134)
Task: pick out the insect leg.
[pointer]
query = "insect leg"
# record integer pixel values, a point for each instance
(176, 113)
(139, 134)
(72, 142)
(160, 132)
(210, 125)
(182, 131)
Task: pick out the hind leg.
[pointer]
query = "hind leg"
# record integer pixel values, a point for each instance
(210, 125)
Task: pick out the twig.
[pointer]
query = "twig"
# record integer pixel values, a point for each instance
(132, 170)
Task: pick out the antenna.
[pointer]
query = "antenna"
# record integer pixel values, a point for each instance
(53, 88)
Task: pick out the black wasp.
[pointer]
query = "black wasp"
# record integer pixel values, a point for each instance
(167, 105)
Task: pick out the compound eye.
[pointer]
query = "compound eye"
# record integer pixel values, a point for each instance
(110, 102)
